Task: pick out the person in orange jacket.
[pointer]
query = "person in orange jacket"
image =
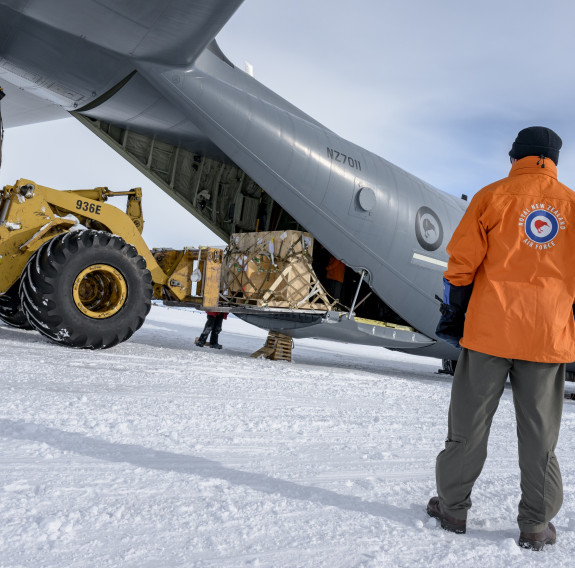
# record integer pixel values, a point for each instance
(508, 301)
(212, 328)
(335, 275)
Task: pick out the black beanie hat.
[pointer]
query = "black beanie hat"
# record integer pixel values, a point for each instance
(536, 141)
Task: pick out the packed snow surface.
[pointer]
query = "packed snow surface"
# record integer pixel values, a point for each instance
(157, 453)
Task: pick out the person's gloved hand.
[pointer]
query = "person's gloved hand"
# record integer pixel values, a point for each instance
(450, 325)
(453, 308)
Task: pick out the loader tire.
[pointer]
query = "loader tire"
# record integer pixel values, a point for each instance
(11, 311)
(86, 289)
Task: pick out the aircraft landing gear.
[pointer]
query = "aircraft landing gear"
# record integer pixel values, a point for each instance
(447, 367)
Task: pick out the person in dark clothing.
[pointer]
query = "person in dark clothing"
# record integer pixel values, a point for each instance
(212, 328)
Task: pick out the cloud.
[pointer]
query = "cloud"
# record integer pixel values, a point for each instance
(439, 88)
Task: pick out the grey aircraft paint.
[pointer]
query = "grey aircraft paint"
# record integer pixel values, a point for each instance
(150, 80)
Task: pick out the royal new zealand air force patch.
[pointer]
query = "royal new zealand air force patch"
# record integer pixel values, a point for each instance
(542, 224)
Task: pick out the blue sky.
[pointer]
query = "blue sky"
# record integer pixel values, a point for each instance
(440, 88)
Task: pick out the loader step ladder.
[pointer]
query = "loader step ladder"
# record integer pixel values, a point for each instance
(277, 347)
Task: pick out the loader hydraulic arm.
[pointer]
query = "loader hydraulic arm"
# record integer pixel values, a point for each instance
(83, 204)
(30, 214)
(133, 207)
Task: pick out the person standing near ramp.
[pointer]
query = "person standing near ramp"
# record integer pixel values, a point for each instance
(212, 329)
(335, 275)
(508, 301)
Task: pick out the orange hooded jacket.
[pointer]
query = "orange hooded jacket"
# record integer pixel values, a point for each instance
(335, 270)
(516, 243)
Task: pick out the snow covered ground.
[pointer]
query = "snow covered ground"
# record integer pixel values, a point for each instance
(159, 454)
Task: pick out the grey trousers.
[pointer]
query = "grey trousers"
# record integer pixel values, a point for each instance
(538, 395)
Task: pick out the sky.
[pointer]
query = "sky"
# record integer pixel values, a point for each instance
(438, 88)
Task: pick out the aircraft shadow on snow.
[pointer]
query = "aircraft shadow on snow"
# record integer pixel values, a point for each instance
(140, 456)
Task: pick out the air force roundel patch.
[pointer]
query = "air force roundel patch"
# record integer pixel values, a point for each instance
(428, 229)
(541, 226)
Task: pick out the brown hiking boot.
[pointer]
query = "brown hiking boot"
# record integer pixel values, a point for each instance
(448, 522)
(536, 541)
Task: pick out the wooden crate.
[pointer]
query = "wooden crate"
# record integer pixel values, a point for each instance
(272, 269)
(277, 347)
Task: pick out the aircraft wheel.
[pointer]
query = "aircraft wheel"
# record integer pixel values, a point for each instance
(86, 289)
(11, 311)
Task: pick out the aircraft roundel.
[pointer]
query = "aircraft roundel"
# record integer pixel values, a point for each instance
(428, 229)
(541, 226)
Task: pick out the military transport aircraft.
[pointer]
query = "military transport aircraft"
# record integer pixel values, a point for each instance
(149, 78)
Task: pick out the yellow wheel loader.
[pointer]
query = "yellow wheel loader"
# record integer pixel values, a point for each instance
(77, 269)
